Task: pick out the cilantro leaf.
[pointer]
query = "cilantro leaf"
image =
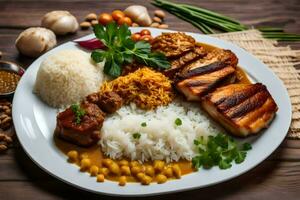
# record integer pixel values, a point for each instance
(144, 124)
(220, 150)
(98, 55)
(121, 49)
(78, 111)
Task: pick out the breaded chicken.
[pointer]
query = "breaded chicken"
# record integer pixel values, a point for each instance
(243, 109)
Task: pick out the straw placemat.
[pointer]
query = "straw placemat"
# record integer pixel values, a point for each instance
(281, 60)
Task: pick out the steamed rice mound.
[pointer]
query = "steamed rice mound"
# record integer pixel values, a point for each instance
(161, 138)
(67, 77)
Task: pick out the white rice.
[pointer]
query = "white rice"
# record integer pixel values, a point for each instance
(161, 139)
(67, 77)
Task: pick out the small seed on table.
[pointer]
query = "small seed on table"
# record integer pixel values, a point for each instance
(157, 19)
(163, 26)
(159, 13)
(85, 25)
(91, 16)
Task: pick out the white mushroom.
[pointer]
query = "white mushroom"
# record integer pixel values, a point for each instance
(60, 22)
(35, 41)
(138, 14)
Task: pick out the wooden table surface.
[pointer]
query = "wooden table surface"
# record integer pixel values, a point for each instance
(278, 177)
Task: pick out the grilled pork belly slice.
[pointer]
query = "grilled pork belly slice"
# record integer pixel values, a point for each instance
(85, 133)
(180, 62)
(243, 109)
(197, 82)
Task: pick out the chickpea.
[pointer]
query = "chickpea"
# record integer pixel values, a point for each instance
(114, 168)
(85, 164)
(150, 171)
(83, 155)
(168, 172)
(146, 180)
(100, 178)
(134, 163)
(160, 178)
(104, 171)
(107, 162)
(73, 155)
(140, 176)
(123, 163)
(125, 170)
(122, 180)
(135, 170)
(159, 165)
(176, 171)
(94, 170)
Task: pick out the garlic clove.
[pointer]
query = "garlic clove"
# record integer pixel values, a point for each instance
(60, 22)
(138, 14)
(34, 41)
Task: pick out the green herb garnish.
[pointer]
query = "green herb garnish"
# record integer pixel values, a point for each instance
(178, 122)
(121, 49)
(220, 150)
(144, 124)
(136, 135)
(78, 111)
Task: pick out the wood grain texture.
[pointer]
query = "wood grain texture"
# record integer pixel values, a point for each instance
(276, 178)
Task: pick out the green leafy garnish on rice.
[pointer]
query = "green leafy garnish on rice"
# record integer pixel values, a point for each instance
(178, 122)
(136, 135)
(144, 124)
(220, 150)
(78, 111)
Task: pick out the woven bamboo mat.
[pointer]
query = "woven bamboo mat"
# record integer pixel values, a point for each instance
(281, 60)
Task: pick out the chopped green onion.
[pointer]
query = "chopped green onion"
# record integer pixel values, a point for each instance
(78, 111)
(178, 122)
(144, 124)
(136, 135)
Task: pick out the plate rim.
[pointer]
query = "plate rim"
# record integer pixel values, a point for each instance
(34, 159)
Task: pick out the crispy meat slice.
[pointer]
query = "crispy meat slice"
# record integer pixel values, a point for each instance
(173, 44)
(243, 109)
(217, 55)
(197, 82)
(180, 62)
(87, 132)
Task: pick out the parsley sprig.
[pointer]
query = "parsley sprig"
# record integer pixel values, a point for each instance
(220, 150)
(121, 49)
(78, 111)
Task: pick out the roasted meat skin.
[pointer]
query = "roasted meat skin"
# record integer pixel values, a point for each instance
(180, 62)
(87, 132)
(204, 75)
(109, 102)
(243, 109)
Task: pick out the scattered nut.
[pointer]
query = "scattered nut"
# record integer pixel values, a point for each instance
(135, 25)
(159, 13)
(85, 25)
(90, 17)
(3, 147)
(155, 25)
(94, 22)
(5, 114)
(157, 19)
(163, 26)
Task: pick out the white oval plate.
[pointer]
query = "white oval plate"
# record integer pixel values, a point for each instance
(35, 122)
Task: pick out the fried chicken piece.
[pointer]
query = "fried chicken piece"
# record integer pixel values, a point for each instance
(173, 44)
(243, 109)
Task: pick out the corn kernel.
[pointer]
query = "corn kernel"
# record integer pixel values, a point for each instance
(122, 180)
(150, 171)
(146, 180)
(94, 170)
(168, 172)
(125, 170)
(159, 165)
(176, 171)
(114, 168)
(160, 178)
(123, 163)
(73, 155)
(85, 164)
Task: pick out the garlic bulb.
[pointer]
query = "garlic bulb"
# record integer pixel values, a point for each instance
(138, 14)
(34, 41)
(60, 22)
